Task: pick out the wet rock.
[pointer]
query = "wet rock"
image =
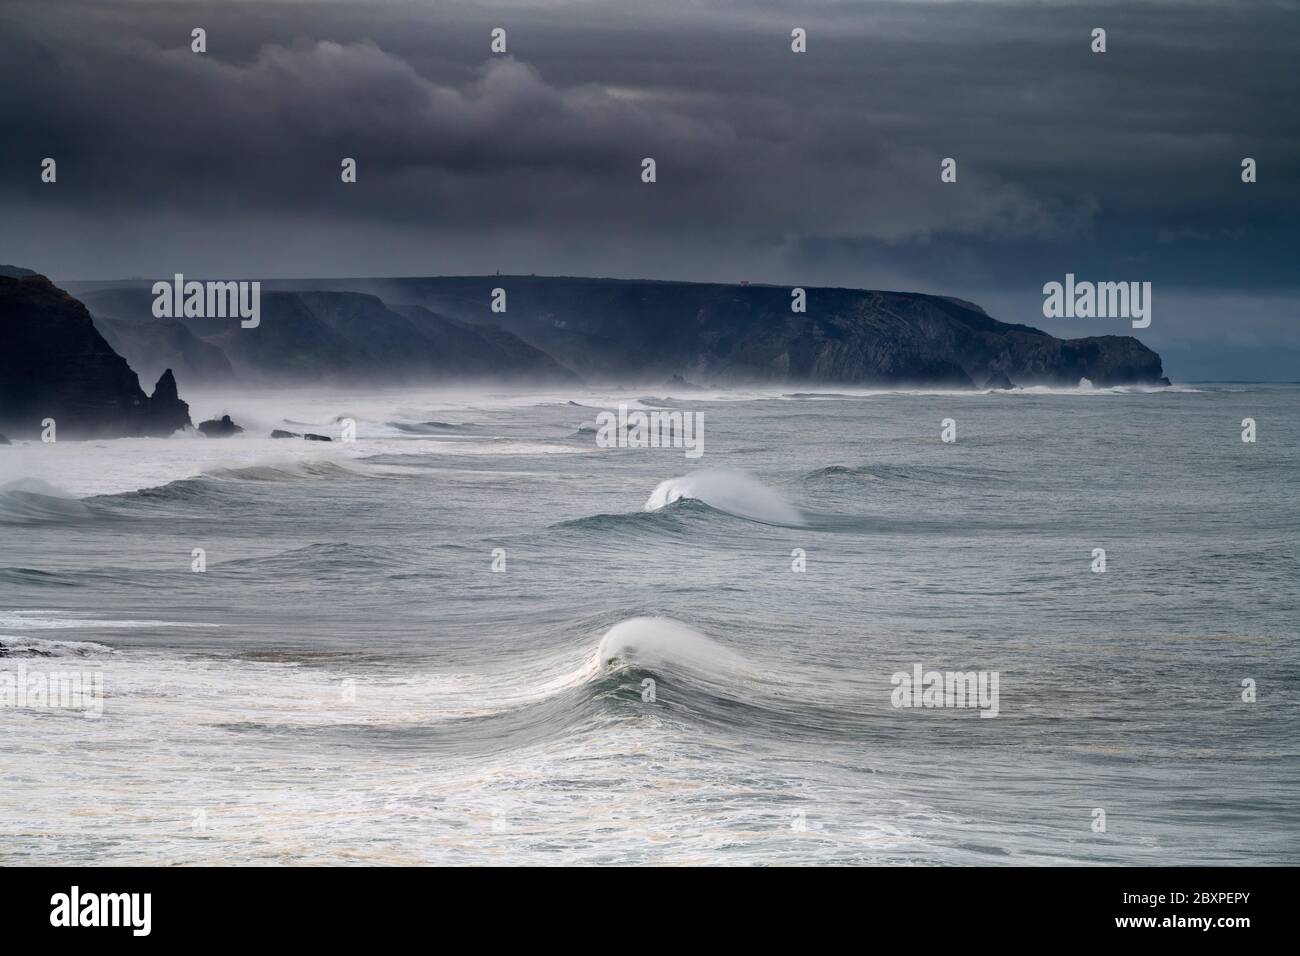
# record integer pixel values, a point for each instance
(219, 428)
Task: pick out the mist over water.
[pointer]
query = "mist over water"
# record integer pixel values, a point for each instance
(648, 680)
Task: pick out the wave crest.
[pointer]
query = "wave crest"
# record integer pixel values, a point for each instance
(287, 471)
(433, 428)
(733, 492)
(37, 647)
(651, 643)
(32, 501)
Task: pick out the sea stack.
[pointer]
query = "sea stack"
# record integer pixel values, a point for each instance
(54, 365)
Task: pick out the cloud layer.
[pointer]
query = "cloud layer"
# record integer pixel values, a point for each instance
(819, 168)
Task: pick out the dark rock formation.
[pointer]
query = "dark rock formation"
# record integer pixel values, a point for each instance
(342, 337)
(348, 337)
(171, 413)
(280, 433)
(615, 330)
(621, 330)
(222, 428)
(125, 318)
(55, 364)
(999, 382)
(485, 351)
(157, 344)
(310, 437)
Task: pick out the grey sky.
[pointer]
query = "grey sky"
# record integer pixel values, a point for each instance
(816, 168)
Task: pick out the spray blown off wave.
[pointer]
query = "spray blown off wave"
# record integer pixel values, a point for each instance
(733, 492)
(656, 642)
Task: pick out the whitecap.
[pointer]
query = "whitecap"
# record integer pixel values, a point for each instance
(733, 492)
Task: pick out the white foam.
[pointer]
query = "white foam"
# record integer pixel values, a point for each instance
(37, 647)
(733, 492)
(655, 641)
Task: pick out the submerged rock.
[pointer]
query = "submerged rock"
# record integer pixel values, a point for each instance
(310, 437)
(224, 428)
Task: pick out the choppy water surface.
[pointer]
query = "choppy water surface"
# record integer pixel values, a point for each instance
(648, 680)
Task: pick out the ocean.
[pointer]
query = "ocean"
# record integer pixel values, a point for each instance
(473, 635)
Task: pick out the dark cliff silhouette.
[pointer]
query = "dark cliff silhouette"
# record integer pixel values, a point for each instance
(55, 364)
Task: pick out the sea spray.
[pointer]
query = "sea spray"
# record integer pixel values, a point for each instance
(733, 492)
(655, 641)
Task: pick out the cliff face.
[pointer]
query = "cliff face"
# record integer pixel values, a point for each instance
(618, 330)
(431, 330)
(153, 346)
(484, 351)
(55, 364)
(324, 336)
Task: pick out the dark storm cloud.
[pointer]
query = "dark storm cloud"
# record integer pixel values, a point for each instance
(814, 168)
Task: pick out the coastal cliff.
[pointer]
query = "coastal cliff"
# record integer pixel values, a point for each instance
(55, 364)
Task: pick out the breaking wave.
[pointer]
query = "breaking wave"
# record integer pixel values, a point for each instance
(288, 471)
(731, 492)
(433, 428)
(653, 643)
(37, 647)
(32, 501)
